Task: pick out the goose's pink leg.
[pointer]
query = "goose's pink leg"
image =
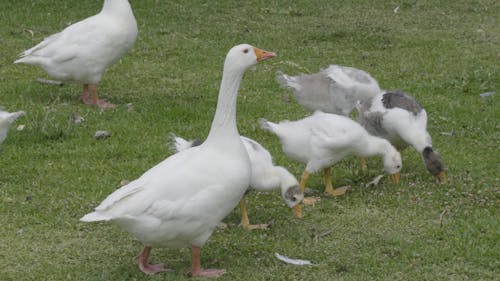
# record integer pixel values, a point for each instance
(85, 94)
(150, 269)
(89, 96)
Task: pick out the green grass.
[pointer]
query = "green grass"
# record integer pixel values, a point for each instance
(443, 52)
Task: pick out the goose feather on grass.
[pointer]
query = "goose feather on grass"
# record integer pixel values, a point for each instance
(6, 120)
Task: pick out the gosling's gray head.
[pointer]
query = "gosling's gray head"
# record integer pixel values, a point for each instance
(434, 164)
(293, 196)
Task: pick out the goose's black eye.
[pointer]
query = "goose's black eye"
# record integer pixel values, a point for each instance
(245, 51)
(398, 166)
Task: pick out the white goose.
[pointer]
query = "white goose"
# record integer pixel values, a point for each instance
(323, 139)
(82, 51)
(265, 176)
(180, 201)
(399, 118)
(335, 89)
(6, 119)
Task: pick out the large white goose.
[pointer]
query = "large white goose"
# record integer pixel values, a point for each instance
(323, 139)
(6, 119)
(82, 51)
(335, 89)
(399, 118)
(180, 201)
(265, 176)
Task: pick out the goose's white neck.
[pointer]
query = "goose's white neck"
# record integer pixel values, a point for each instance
(224, 122)
(375, 146)
(286, 179)
(116, 7)
(420, 140)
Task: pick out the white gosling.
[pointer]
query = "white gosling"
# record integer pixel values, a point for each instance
(322, 139)
(335, 89)
(84, 50)
(399, 118)
(265, 176)
(180, 201)
(6, 120)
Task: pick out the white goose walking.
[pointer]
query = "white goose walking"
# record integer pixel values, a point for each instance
(180, 201)
(84, 50)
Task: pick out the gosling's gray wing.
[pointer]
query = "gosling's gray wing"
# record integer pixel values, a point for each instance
(312, 91)
(399, 99)
(335, 89)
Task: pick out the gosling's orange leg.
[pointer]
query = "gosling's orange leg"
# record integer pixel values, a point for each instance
(364, 164)
(297, 210)
(328, 185)
(196, 270)
(245, 222)
(303, 180)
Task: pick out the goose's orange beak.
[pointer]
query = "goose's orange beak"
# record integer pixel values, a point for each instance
(263, 55)
(396, 177)
(297, 211)
(441, 177)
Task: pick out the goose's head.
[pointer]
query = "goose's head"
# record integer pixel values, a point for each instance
(434, 164)
(292, 196)
(393, 164)
(243, 56)
(290, 190)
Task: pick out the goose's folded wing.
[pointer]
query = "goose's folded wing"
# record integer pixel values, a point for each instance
(334, 131)
(46, 41)
(84, 37)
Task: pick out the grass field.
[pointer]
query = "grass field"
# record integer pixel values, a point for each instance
(445, 53)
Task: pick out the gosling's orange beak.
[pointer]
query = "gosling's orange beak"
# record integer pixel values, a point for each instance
(263, 55)
(297, 211)
(396, 177)
(441, 177)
